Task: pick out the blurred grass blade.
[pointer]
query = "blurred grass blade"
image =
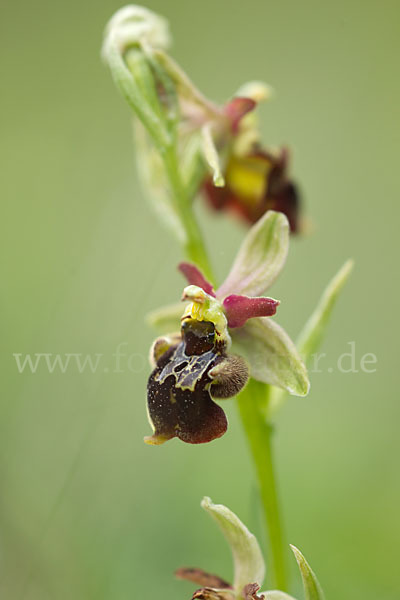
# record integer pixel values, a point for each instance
(311, 336)
(311, 585)
(248, 561)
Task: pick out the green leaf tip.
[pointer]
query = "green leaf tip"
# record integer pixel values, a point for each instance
(312, 588)
(248, 561)
(312, 334)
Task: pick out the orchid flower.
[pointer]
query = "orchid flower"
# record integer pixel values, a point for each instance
(195, 366)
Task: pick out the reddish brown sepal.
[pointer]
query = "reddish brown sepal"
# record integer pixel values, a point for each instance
(202, 578)
(236, 109)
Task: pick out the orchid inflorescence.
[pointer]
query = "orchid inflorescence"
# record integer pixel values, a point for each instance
(223, 341)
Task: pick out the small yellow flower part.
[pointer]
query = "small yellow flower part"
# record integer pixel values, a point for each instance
(256, 182)
(247, 177)
(204, 307)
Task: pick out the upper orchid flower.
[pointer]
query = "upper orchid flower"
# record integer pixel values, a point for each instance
(255, 178)
(196, 365)
(217, 146)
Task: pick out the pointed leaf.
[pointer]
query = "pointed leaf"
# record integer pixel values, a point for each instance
(260, 258)
(311, 336)
(313, 331)
(167, 319)
(311, 585)
(248, 560)
(272, 356)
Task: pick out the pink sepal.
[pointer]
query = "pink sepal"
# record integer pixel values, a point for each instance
(240, 308)
(195, 277)
(236, 109)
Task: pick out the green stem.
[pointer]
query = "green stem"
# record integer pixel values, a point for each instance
(252, 404)
(136, 81)
(194, 245)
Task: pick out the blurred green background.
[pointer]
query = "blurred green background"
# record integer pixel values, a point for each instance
(87, 511)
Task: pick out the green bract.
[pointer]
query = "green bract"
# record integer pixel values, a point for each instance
(247, 558)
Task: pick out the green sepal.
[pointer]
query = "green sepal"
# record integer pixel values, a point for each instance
(260, 258)
(248, 561)
(272, 356)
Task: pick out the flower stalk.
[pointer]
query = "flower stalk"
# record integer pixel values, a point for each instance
(253, 406)
(193, 245)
